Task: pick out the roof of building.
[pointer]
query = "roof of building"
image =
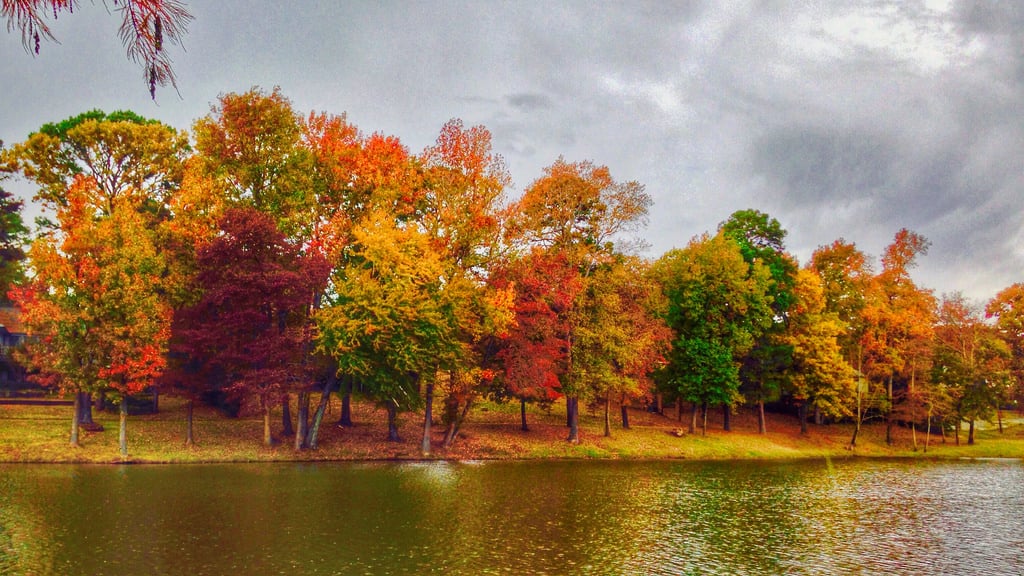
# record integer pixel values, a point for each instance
(10, 318)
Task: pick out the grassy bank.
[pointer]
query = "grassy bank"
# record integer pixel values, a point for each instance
(40, 434)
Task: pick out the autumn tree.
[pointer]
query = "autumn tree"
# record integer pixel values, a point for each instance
(251, 324)
(147, 26)
(821, 377)
(578, 210)
(846, 280)
(899, 317)
(388, 320)
(533, 351)
(86, 169)
(718, 304)
(1007, 308)
(463, 192)
(971, 361)
(96, 305)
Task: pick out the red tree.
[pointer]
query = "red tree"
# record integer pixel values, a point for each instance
(251, 325)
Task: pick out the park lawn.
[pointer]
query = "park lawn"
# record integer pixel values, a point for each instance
(40, 434)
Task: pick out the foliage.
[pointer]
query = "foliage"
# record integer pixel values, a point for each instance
(12, 241)
(717, 306)
(146, 27)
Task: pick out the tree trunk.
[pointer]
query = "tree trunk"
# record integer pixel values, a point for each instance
(762, 426)
(970, 433)
(625, 413)
(659, 403)
(428, 416)
(122, 430)
(321, 408)
(346, 404)
(693, 418)
(818, 420)
(956, 430)
(574, 421)
(726, 415)
(302, 422)
(190, 440)
(75, 415)
(84, 403)
(156, 400)
(999, 418)
(679, 410)
(522, 415)
(607, 415)
(286, 417)
(704, 424)
(453, 429)
(392, 409)
(268, 439)
(888, 413)
(802, 415)
(928, 433)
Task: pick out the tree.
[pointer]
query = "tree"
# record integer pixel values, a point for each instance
(388, 320)
(12, 240)
(847, 279)
(577, 210)
(971, 361)
(146, 27)
(533, 351)
(1007, 308)
(765, 368)
(899, 319)
(96, 305)
(821, 377)
(717, 306)
(251, 324)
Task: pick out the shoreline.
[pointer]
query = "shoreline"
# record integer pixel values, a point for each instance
(30, 435)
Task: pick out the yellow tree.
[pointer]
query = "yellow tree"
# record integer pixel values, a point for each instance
(821, 377)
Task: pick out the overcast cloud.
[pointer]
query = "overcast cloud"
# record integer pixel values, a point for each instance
(839, 119)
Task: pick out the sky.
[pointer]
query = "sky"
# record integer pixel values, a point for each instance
(840, 119)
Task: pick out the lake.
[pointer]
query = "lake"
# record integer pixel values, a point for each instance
(546, 517)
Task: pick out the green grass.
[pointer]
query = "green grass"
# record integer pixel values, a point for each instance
(40, 434)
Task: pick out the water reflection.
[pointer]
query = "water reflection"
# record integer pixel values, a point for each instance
(851, 517)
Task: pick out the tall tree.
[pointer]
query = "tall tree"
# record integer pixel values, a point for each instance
(821, 376)
(251, 323)
(899, 319)
(761, 239)
(97, 306)
(578, 210)
(971, 361)
(718, 305)
(147, 26)
(1007, 308)
(847, 279)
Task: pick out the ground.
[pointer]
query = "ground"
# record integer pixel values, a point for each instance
(40, 434)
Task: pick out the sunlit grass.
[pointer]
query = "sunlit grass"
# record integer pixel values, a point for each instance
(41, 434)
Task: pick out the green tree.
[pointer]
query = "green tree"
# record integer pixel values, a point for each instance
(718, 305)
(765, 368)
(12, 241)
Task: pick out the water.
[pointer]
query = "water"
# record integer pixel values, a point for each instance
(572, 517)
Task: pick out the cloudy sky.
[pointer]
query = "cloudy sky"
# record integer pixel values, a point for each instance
(840, 119)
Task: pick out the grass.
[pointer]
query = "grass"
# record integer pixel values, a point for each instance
(40, 434)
